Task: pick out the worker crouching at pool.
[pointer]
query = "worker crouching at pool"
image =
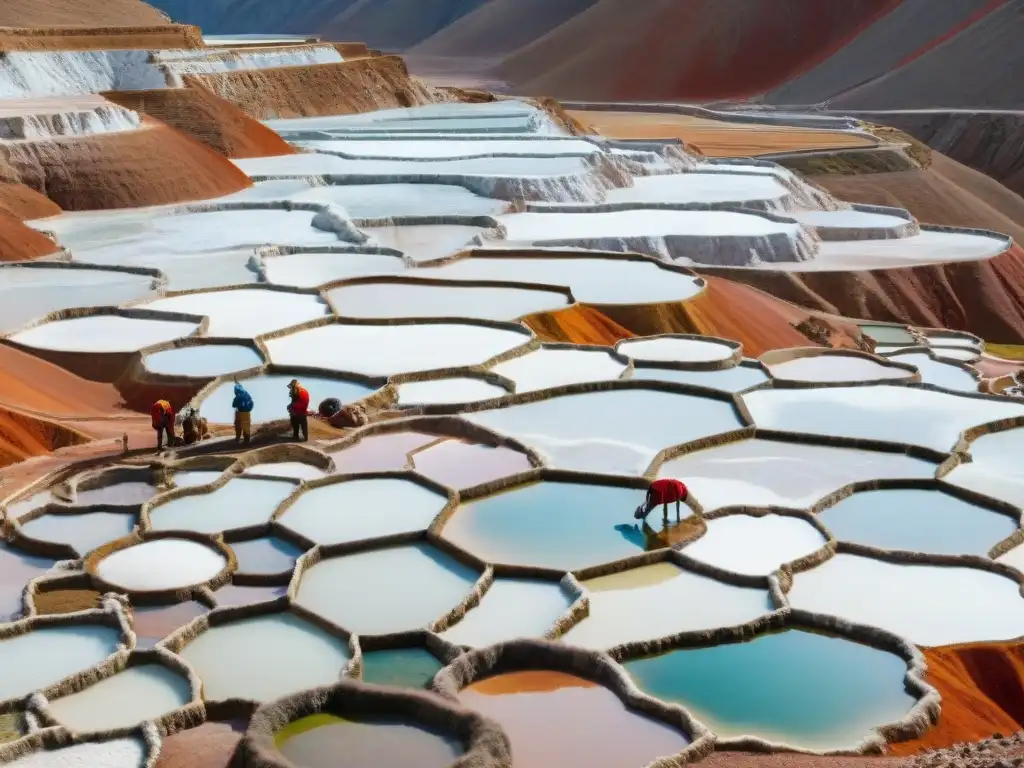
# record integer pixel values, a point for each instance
(663, 492)
(298, 410)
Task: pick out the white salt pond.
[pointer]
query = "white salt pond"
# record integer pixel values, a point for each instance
(270, 395)
(617, 431)
(386, 590)
(118, 753)
(267, 555)
(698, 187)
(40, 658)
(511, 608)
(295, 470)
(318, 267)
(393, 299)
(83, 533)
(161, 564)
(888, 334)
(763, 473)
(379, 452)
(995, 470)
(240, 503)
(939, 339)
(247, 312)
(353, 511)
(962, 354)
(948, 604)
(884, 412)
(849, 218)
(554, 367)
(940, 374)
(457, 389)
(203, 361)
(102, 333)
(917, 250)
(424, 242)
(735, 379)
(755, 546)
(676, 350)
(630, 606)
(828, 368)
(384, 350)
(193, 477)
(459, 464)
(264, 658)
(132, 696)
(456, 147)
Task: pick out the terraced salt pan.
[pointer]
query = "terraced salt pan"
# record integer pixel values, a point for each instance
(949, 605)
(351, 511)
(240, 503)
(30, 292)
(378, 452)
(309, 270)
(995, 470)
(264, 658)
(616, 432)
(246, 313)
(452, 147)
(711, 188)
(424, 242)
(202, 361)
(453, 110)
(917, 520)
(562, 165)
(102, 333)
(553, 367)
(382, 300)
(153, 623)
(848, 218)
(39, 659)
(888, 334)
(951, 340)
(884, 412)
(118, 753)
(62, 116)
(384, 350)
(498, 124)
(270, 396)
(132, 696)
(763, 473)
(265, 555)
(34, 74)
(83, 533)
(446, 391)
(630, 606)
(399, 588)
(16, 570)
(190, 478)
(125, 493)
(176, 66)
(956, 353)
(735, 379)
(199, 270)
(676, 350)
(161, 564)
(825, 368)
(405, 667)
(462, 465)
(511, 608)
(755, 545)
(234, 595)
(940, 374)
(293, 469)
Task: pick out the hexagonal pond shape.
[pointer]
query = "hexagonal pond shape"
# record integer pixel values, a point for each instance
(246, 312)
(117, 753)
(511, 608)
(202, 361)
(735, 379)
(459, 464)
(554, 367)
(399, 588)
(756, 546)
(556, 719)
(265, 555)
(102, 333)
(457, 389)
(295, 470)
(826, 368)
(616, 431)
(265, 657)
(940, 374)
(405, 667)
(81, 532)
(805, 689)
(630, 606)
(354, 510)
(994, 469)
(917, 520)
(383, 350)
(16, 570)
(927, 604)
(240, 503)
(270, 396)
(321, 266)
(379, 452)
(132, 696)
(161, 564)
(676, 350)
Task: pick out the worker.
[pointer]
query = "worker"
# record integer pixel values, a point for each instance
(193, 426)
(662, 492)
(243, 406)
(298, 409)
(329, 407)
(163, 422)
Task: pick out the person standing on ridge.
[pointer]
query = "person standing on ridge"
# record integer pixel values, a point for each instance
(662, 492)
(162, 415)
(298, 410)
(243, 405)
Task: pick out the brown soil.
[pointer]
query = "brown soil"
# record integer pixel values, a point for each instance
(211, 745)
(23, 436)
(21, 243)
(786, 760)
(66, 601)
(24, 202)
(78, 13)
(154, 165)
(579, 324)
(217, 123)
(166, 36)
(361, 85)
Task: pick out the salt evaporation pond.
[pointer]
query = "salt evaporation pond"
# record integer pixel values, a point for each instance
(917, 520)
(246, 312)
(265, 657)
(153, 623)
(265, 555)
(424, 242)
(207, 360)
(102, 333)
(352, 510)
(399, 588)
(31, 292)
(309, 270)
(453, 147)
(995, 470)
(233, 595)
(805, 689)
(888, 334)
(462, 465)
(388, 201)
(735, 379)
(118, 753)
(457, 389)
(240, 503)
(393, 299)
(555, 719)
(849, 219)
(884, 412)
(927, 604)
(956, 353)
(327, 741)
(939, 339)
(698, 187)
(755, 546)
(270, 395)
(384, 350)
(940, 374)
(676, 350)
(553, 367)
(16, 570)
(132, 696)
(616, 431)
(83, 532)
(379, 452)
(557, 525)
(766, 473)
(295, 470)
(828, 368)
(405, 667)
(127, 493)
(630, 606)
(195, 477)
(161, 564)
(511, 608)
(40, 658)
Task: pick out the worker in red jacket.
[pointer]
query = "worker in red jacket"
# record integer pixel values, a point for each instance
(162, 415)
(298, 409)
(662, 492)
